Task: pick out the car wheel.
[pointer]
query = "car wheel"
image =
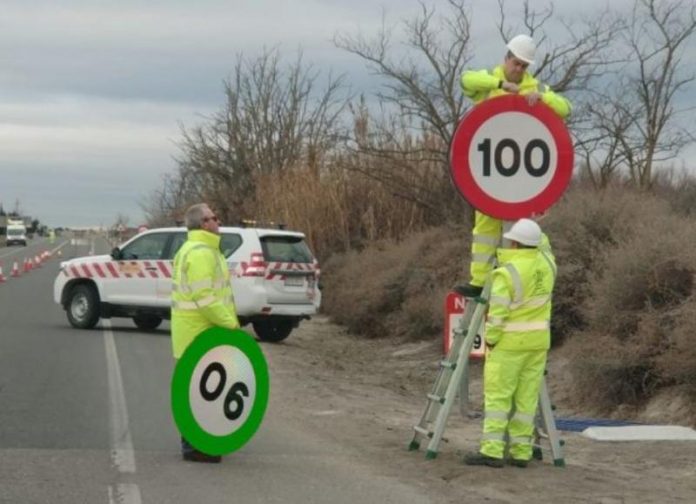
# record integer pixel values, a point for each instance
(273, 330)
(83, 306)
(147, 322)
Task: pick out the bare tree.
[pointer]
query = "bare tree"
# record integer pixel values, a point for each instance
(572, 63)
(634, 126)
(274, 118)
(423, 88)
(607, 119)
(657, 33)
(166, 205)
(405, 145)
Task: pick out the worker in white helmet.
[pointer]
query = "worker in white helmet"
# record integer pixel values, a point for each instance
(518, 338)
(511, 77)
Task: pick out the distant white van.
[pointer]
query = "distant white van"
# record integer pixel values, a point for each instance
(16, 234)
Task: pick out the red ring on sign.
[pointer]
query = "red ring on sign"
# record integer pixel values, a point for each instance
(461, 171)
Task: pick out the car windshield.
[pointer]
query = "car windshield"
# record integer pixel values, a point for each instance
(15, 232)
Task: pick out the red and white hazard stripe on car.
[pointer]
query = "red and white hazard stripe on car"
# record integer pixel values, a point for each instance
(120, 269)
(258, 267)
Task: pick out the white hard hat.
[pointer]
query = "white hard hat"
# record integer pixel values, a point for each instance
(525, 231)
(523, 47)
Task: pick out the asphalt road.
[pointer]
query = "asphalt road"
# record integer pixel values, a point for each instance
(85, 417)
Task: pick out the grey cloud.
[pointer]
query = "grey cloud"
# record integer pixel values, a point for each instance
(92, 92)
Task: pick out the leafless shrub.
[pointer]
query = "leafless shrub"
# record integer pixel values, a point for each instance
(396, 288)
(677, 363)
(584, 227)
(637, 308)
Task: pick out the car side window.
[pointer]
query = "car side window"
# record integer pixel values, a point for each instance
(229, 242)
(150, 246)
(177, 241)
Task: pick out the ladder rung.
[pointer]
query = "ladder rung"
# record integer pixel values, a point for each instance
(448, 364)
(421, 430)
(427, 433)
(436, 398)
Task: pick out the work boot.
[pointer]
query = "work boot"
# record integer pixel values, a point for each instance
(478, 458)
(190, 454)
(468, 290)
(518, 462)
(196, 456)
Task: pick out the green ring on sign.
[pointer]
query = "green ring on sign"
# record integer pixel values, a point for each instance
(181, 381)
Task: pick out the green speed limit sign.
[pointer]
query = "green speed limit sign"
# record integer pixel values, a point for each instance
(220, 390)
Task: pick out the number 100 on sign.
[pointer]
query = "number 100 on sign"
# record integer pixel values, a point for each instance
(511, 157)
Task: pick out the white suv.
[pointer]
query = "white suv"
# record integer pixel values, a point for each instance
(274, 280)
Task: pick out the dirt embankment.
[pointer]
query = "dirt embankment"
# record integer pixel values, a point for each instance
(367, 395)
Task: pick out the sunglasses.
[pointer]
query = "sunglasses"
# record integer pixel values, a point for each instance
(212, 217)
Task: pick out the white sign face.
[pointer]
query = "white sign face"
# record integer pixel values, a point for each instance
(455, 306)
(222, 390)
(512, 157)
(455, 322)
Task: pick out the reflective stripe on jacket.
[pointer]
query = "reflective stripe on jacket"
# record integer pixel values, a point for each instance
(201, 290)
(519, 313)
(479, 85)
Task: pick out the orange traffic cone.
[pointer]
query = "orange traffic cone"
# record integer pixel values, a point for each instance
(37, 261)
(15, 270)
(2, 276)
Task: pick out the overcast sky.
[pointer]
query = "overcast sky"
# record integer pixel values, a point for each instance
(92, 92)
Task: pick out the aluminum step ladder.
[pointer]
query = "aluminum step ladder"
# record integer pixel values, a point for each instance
(453, 377)
(545, 428)
(452, 368)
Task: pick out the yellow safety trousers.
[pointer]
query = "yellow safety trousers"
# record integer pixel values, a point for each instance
(486, 239)
(511, 377)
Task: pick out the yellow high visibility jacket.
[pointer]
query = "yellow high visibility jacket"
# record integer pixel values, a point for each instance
(201, 290)
(519, 313)
(480, 85)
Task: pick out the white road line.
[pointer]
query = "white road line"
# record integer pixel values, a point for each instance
(59, 247)
(21, 250)
(124, 493)
(122, 455)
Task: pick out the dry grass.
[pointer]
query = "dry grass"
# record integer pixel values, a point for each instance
(338, 210)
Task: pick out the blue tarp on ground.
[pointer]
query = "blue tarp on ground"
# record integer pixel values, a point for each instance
(580, 424)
